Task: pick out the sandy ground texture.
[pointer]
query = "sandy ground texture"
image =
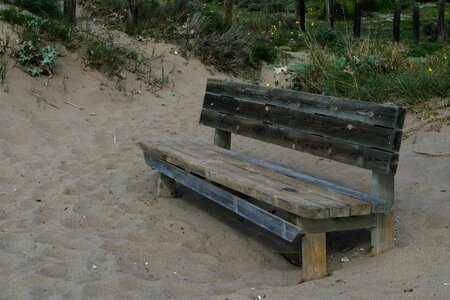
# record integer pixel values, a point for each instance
(79, 220)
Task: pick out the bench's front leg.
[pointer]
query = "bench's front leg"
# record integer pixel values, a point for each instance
(314, 256)
(382, 234)
(166, 186)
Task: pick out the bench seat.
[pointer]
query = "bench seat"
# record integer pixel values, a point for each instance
(231, 170)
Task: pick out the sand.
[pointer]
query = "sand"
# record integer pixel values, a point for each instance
(79, 219)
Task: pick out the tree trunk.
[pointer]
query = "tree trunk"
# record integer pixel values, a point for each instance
(70, 10)
(301, 12)
(357, 21)
(184, 5)
(330, 14)
(416, 24)
(396, 27)
(228, 11)
(441, 20)
(132, 11)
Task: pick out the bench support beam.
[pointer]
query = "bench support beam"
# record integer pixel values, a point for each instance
(166, 186)
(257, 215)
(314, 258)
(382, 186)
(222, 139)
(382, 234)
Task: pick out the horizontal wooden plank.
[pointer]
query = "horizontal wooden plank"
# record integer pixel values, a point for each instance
(374, 201)
(257, 182)
(357, 207)
(260, 217)
(337, 224)
(302, 204)
(363, 157)
(334, 127)
(371, 113)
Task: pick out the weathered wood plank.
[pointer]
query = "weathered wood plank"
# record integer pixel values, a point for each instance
(356, 207)
(333, 128)
(222, 139)
(301, 176)
(382, 235)
(166, 186)
(257, 187)
(241, 207)
(363, 157)
(371, 113)
(334, 224)
(382, 187)
(314, 256)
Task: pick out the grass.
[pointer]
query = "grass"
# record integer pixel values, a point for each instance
(375, 71)
(3, 70)
(112, 59)
(43, 8)
(339, 66)
(56, 29)
(104, 55)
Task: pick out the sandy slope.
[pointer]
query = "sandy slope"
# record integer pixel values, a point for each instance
(78, 219)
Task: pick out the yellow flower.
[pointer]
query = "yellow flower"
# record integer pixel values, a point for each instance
(430, 70)
(292, 33)
(445, 57)
(312, 24)
(267, 84)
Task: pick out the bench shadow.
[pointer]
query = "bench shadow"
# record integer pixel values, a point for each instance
(340, 245)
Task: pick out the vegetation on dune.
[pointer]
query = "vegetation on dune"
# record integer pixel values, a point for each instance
(375, 71)
(44, 8)
(370, 68)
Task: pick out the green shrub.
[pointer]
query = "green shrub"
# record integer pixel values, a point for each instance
(263, 51)
(106, 56)
(229, 51)
(37, 58)
(34, 26)
(375, 71)
(44, 8)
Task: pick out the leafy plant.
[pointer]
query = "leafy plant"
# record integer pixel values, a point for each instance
(35, 26)
(36, 58)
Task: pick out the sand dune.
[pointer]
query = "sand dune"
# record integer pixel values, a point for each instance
(79, 220)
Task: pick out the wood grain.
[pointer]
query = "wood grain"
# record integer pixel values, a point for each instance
(360, 156)
(314, 258)
(331, 127)
(292, 195)
(371, 113)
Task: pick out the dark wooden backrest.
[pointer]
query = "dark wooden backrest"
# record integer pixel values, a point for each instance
(363, 134)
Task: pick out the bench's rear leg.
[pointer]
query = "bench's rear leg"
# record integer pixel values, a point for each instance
(382, 186)
(383, 233)
(314, 256)
(166, 186)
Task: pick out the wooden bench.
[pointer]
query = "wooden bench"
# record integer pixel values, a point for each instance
(362, 134)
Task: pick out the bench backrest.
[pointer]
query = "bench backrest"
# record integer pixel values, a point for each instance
(363, 134)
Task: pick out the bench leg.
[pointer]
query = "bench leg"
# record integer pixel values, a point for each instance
(166, 186)
(314, 257)
(383, 233)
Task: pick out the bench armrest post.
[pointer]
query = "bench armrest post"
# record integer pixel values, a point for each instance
(382, 187)
(382, 236)
(222, 139)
